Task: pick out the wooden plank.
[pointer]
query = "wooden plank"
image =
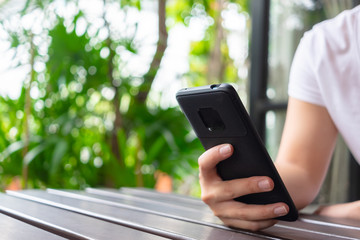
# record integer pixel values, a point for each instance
(164, 197)
(146, 210)
(195, 205)
(309, 226)
(330, 227)
(181, 229)
(13, 229)
(160, 210)
(64, 223)
(302, 231)
(168, 208)
(115, 197)
(334, 222)
(297, 230)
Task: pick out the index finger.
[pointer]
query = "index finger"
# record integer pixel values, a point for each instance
(209, 159)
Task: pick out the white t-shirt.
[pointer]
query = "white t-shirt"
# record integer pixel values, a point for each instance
(326, 72)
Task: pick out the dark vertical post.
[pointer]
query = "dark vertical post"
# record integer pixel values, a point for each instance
(354, 180)
(260, 11)
(354, 173)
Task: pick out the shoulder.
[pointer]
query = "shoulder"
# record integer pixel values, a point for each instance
(333, 43)
(326, 53)
(336, 35)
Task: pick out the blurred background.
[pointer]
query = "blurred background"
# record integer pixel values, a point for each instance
(87, 87)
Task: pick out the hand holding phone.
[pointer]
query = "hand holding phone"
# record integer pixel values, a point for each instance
(219, 194)
(218, 116)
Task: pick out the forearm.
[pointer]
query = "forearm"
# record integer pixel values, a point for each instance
(305, 151)
(302, 188)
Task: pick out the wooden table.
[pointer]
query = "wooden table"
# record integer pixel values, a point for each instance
(133, 213)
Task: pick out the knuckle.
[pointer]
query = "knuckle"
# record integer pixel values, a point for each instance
(201, 177)
(253, 185)
(248, 225)
(217, 213)
(229, 223)
(200, 160)
(203, 158)
(202, 166)
(228, 192)
(241, 215)
(207, 198)
(253, 226)
(266, 213)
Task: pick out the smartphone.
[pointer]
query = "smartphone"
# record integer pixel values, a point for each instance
(218, 116)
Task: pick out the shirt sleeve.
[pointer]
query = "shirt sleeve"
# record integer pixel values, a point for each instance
(303, 84)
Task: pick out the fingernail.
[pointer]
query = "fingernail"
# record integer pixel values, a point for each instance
(280, 211)
(264, 185)
(225, 150)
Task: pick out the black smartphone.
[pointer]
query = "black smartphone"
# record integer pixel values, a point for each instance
(218, 116)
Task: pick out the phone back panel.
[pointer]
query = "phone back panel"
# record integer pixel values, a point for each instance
(233, 125)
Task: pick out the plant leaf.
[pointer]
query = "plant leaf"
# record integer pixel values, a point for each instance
(34, 152)
(11, 149)
(59, 152)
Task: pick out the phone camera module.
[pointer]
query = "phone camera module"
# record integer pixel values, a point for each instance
(211, 119)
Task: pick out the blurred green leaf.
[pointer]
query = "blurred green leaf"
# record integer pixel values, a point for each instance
(16, 146)
(155, 149)
(60, 150)
(33, 153)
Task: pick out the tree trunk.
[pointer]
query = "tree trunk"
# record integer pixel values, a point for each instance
(160, 50)
(138, 164)
(118, 122)
(216, 65)
(145, 87)
(27, 109)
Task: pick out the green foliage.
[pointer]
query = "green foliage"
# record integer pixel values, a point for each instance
(213, 48)
(86, 125)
